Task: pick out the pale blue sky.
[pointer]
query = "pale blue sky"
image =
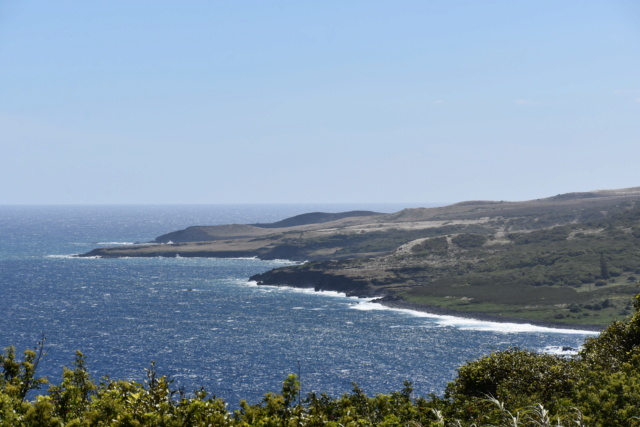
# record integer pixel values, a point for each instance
(316, 101)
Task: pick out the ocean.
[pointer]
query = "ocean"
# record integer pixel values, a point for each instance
(204, 324)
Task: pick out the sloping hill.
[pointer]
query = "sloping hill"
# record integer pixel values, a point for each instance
(211, 233)
(315, 218)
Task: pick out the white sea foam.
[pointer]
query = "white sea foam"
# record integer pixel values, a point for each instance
(311, 291)
(464, 323)
(287, 261)
(560, 350)
(253, 258)
(483, 325)
(72, 256)
(367, 305)
(119, 243)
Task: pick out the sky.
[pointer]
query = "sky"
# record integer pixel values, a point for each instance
(278, 101)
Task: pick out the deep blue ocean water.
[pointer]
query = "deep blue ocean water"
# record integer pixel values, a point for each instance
(204, 323)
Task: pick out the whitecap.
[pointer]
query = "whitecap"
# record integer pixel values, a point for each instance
(560, 350)
(462, 323)
(118, 243)
(469, 324)
(72, 256)
(367, 305)
(309, 291)
(506, 327)
(287, 261)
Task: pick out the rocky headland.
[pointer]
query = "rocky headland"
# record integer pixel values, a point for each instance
(571, 259)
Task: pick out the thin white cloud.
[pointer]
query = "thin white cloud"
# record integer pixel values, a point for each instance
(524, 102)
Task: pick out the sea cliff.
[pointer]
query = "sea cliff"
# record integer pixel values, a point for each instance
(317, 280)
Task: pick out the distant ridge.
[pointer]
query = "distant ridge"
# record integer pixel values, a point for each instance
(315, 218)
(239, 231)
(574, 196)
(476, 203)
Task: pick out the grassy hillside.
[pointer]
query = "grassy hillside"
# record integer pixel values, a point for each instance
(582, 271)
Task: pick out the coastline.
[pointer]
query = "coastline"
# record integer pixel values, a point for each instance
(348, 286)
(390, 301)
(311, 280)
(394, 302)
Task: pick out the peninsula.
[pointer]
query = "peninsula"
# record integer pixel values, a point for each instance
(570, 260)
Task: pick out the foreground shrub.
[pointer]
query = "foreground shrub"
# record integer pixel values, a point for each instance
(515, 377)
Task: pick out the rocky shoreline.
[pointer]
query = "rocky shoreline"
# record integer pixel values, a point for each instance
(354, 288)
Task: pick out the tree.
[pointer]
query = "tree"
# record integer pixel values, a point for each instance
(515, 377)
(19, 377)
(72, 397)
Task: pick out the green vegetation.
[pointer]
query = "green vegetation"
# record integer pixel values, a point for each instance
(467, 240)
(573, 274)
(599, 387)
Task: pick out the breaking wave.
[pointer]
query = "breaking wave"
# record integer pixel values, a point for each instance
(471, 324)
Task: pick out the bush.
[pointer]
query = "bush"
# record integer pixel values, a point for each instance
(436, 244)
(516, 377)
(467, 240)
